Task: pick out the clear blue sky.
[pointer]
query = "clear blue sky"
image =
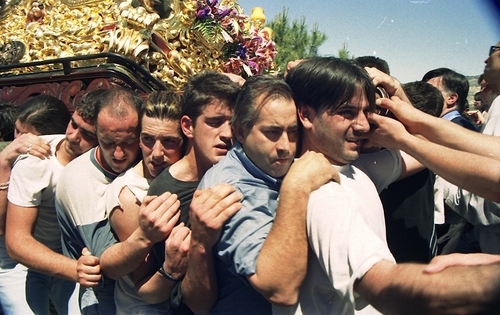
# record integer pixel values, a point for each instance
(413, 36)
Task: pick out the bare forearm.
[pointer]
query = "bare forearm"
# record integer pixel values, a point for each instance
(276, 278)
(456, 137)
(156, 289)
(405, 289)
(39, 257)
(482, 179)
(125, 257)
(5, 170)
(199, 286)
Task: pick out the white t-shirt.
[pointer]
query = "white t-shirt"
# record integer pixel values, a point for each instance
(33, 183)
(346, 231)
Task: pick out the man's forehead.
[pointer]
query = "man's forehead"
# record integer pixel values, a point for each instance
(217, 108)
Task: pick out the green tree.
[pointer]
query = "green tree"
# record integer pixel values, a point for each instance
(344, 52)
(293, 39)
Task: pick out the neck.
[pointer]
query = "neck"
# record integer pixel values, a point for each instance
(447, 110)
(102, 162)
(62, 154)
(187, 168)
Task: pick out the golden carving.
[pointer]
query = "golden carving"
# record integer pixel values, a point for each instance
(171, 48)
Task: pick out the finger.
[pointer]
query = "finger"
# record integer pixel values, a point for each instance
(86, 252)
(227, 212)
(219, 193)
(179, 233)
(168, 222)
(165, 198)
(92, 278)
(91, 270)
(186, 243)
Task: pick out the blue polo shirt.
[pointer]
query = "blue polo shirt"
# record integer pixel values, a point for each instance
(244, 234)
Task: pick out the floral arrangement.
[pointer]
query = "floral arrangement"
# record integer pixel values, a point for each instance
(246, 49)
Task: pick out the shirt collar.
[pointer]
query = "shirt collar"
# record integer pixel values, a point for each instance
(251, 167)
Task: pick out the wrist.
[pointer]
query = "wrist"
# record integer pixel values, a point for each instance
(168, 276)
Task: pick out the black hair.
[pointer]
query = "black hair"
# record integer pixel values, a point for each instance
(425, 97)
(8, 113)
(453, 82)
(374, 62)
(326, 83)
(46, 113)
(205, 87)
(246, 111)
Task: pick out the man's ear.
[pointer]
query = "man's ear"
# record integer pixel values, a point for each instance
(239, 133)
(187, 126)
(451, 100)
(306, 115)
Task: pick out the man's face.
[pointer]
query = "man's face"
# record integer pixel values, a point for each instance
(80, 136)
(118, 140)
(337, 135)
(272, 141)
(161, 143)
(211, 133)
(492, 68)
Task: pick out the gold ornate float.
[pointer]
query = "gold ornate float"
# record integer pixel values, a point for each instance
(172, 40)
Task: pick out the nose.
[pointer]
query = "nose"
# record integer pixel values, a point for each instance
(283, 145)
(225, 132)
(157, 151)
(74, 135)
(118, 153)
(361, 123)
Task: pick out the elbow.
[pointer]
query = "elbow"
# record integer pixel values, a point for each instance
(11, 251)
(284, 298)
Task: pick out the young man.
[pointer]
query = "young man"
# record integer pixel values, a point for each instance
(350, 264)
(251, 259)
(79, 197)
(207, 107)
(33, 237)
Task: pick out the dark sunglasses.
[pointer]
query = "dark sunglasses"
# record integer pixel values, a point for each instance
(493, 49)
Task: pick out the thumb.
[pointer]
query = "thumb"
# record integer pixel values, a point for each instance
(86, 252)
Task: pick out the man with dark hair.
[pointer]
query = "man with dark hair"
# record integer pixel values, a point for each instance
(350, 264)
(207, 107)
(253, 253)
(455, 88)
(33, 236)
(80, 203)
(374, 62)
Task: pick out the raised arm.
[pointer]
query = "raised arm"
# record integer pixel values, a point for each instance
(483, 179)
(441, 131)
(276, 278)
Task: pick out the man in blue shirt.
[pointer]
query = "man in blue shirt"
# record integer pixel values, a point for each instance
(253, 255)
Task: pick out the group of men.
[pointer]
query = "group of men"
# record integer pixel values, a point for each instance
(283, 211)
